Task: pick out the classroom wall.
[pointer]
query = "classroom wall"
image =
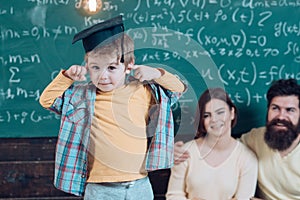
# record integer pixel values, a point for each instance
(239, 45)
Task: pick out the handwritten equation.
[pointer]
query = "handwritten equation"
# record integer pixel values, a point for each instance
(235, 45)
(22, 117)
(243, 44)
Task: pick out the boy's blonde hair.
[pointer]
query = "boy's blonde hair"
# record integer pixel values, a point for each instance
(118, 45)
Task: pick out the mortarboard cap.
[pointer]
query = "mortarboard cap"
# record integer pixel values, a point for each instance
(96, 34)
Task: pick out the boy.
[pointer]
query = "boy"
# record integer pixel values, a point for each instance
(102, 141)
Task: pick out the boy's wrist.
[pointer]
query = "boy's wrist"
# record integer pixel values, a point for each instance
(65, 73)
(64, 78)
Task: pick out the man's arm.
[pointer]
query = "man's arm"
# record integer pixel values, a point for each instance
(180, 154)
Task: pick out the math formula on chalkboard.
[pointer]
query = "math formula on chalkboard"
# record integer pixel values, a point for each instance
(242, 46)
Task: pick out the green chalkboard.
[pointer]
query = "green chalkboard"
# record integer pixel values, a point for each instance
(239, 45)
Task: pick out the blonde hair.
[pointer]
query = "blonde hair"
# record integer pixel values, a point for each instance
(118, 45)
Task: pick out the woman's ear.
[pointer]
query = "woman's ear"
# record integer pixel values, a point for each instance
(232, 113)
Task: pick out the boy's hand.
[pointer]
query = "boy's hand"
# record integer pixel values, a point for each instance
(180, 154)
(76, 73)
(145, 73)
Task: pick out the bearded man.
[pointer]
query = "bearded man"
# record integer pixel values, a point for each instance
(276, 145)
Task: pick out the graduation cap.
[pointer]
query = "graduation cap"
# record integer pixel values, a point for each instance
(98, 33)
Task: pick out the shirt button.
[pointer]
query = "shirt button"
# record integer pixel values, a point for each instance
(82, 176)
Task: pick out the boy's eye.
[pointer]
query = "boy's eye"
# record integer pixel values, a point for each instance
(111, 68)
(95, 67)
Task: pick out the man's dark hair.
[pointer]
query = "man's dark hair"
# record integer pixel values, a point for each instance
(283, 87)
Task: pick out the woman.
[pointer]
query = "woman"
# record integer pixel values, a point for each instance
(219, 167)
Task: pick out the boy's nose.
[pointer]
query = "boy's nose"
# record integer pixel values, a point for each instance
(103, 75)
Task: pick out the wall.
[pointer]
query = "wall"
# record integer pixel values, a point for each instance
(239, 45)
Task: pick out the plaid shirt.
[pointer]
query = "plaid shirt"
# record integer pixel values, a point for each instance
(76, 108)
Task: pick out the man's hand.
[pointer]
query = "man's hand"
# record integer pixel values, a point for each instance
(180, 154)
(76, 73)
(144, 73)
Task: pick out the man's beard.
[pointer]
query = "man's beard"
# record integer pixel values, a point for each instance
(280, 139)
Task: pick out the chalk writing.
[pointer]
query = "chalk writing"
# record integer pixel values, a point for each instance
(37, 32)
(267, 4)
(7, 11)
(19, 92)
(285, 29)
(14, 71)
(25, 116)
(242, 45)
(20, 59)
(49, 2)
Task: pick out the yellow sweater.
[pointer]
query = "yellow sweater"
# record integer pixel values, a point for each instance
(278, 177)
(118, 139)
(234, 178)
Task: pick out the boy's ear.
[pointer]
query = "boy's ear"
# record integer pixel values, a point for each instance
(129, 66)
(131, 63)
